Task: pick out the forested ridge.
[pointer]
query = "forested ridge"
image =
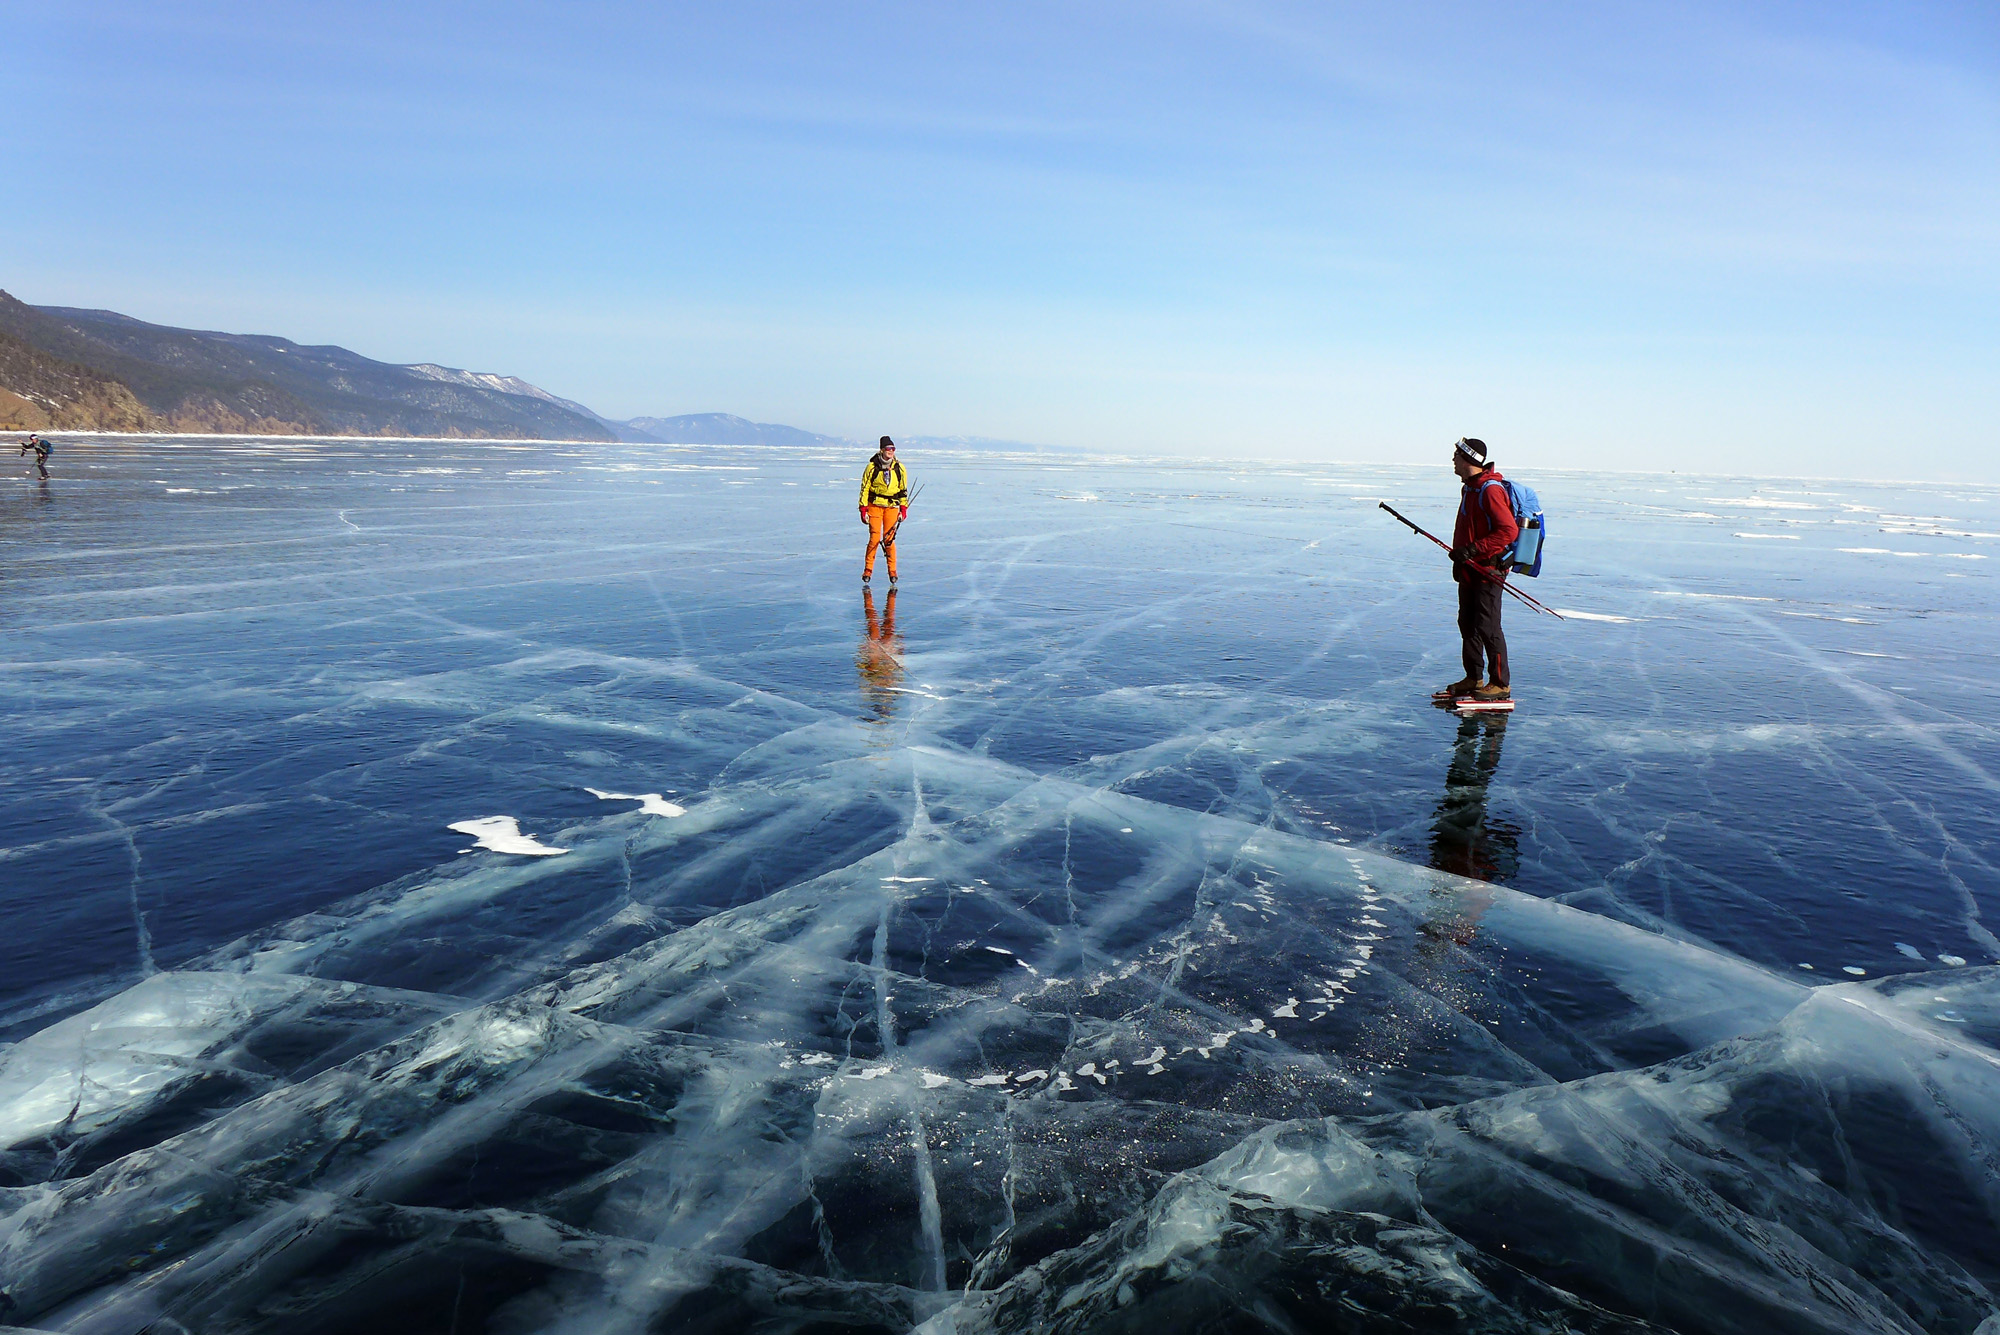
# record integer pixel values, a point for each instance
(86, 370)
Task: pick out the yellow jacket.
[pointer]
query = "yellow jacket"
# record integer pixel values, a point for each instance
(884, 486)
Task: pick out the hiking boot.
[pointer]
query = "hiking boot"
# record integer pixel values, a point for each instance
(867, 579)
(1491, 692)
(892, 581)
(1458, 690)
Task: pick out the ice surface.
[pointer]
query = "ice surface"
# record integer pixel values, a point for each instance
(1098, 933)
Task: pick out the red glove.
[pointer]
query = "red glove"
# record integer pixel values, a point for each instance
(904, 515)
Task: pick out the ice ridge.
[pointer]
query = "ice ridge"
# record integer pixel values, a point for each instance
(883, 1039)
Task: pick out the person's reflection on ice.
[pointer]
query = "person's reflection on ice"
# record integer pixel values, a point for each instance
(1465, 841)
(879, 659)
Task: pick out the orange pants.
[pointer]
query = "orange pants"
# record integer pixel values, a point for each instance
(882, 521)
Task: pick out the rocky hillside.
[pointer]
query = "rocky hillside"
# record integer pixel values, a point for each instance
(39, 392)
(98, 370)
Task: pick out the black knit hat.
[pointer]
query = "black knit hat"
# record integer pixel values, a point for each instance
(887, 444)
(1473, 449)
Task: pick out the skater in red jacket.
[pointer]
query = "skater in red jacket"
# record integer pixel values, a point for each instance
(1485, 528)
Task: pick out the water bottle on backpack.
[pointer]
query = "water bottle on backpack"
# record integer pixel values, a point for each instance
(1525, 556)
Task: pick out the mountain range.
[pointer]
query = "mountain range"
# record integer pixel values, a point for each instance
(62, 368)
(716, 429)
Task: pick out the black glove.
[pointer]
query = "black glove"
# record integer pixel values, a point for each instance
(1461, 555)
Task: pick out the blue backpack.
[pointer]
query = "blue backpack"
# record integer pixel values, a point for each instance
(1525, 556)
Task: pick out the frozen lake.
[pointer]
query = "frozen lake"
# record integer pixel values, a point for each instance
(1102, 932)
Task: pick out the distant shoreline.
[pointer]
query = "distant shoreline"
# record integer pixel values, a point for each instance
(843, 448)
(54, 434)
(1069, 456)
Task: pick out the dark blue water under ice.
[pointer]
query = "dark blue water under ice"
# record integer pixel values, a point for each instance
(1100, 932)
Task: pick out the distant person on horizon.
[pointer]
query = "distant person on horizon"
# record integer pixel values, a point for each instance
(42, 451)
(1486, 527)
(885, 504)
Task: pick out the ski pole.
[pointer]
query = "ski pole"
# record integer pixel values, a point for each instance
(899, 523)
(1481, 569)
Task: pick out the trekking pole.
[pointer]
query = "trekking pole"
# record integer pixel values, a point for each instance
(1481, 569)
(899, 523)
(1530, 601)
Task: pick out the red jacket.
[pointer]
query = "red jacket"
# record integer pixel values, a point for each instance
(1485, 521)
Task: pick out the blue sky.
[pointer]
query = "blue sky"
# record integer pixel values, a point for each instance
(1676, 236)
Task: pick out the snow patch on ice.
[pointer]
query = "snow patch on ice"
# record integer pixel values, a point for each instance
(652, 804)
(502, 834)
(1718, 597)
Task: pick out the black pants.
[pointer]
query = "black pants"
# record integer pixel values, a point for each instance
(1479, 601)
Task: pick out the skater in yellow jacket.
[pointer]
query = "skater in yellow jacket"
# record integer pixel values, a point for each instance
(885, 504)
